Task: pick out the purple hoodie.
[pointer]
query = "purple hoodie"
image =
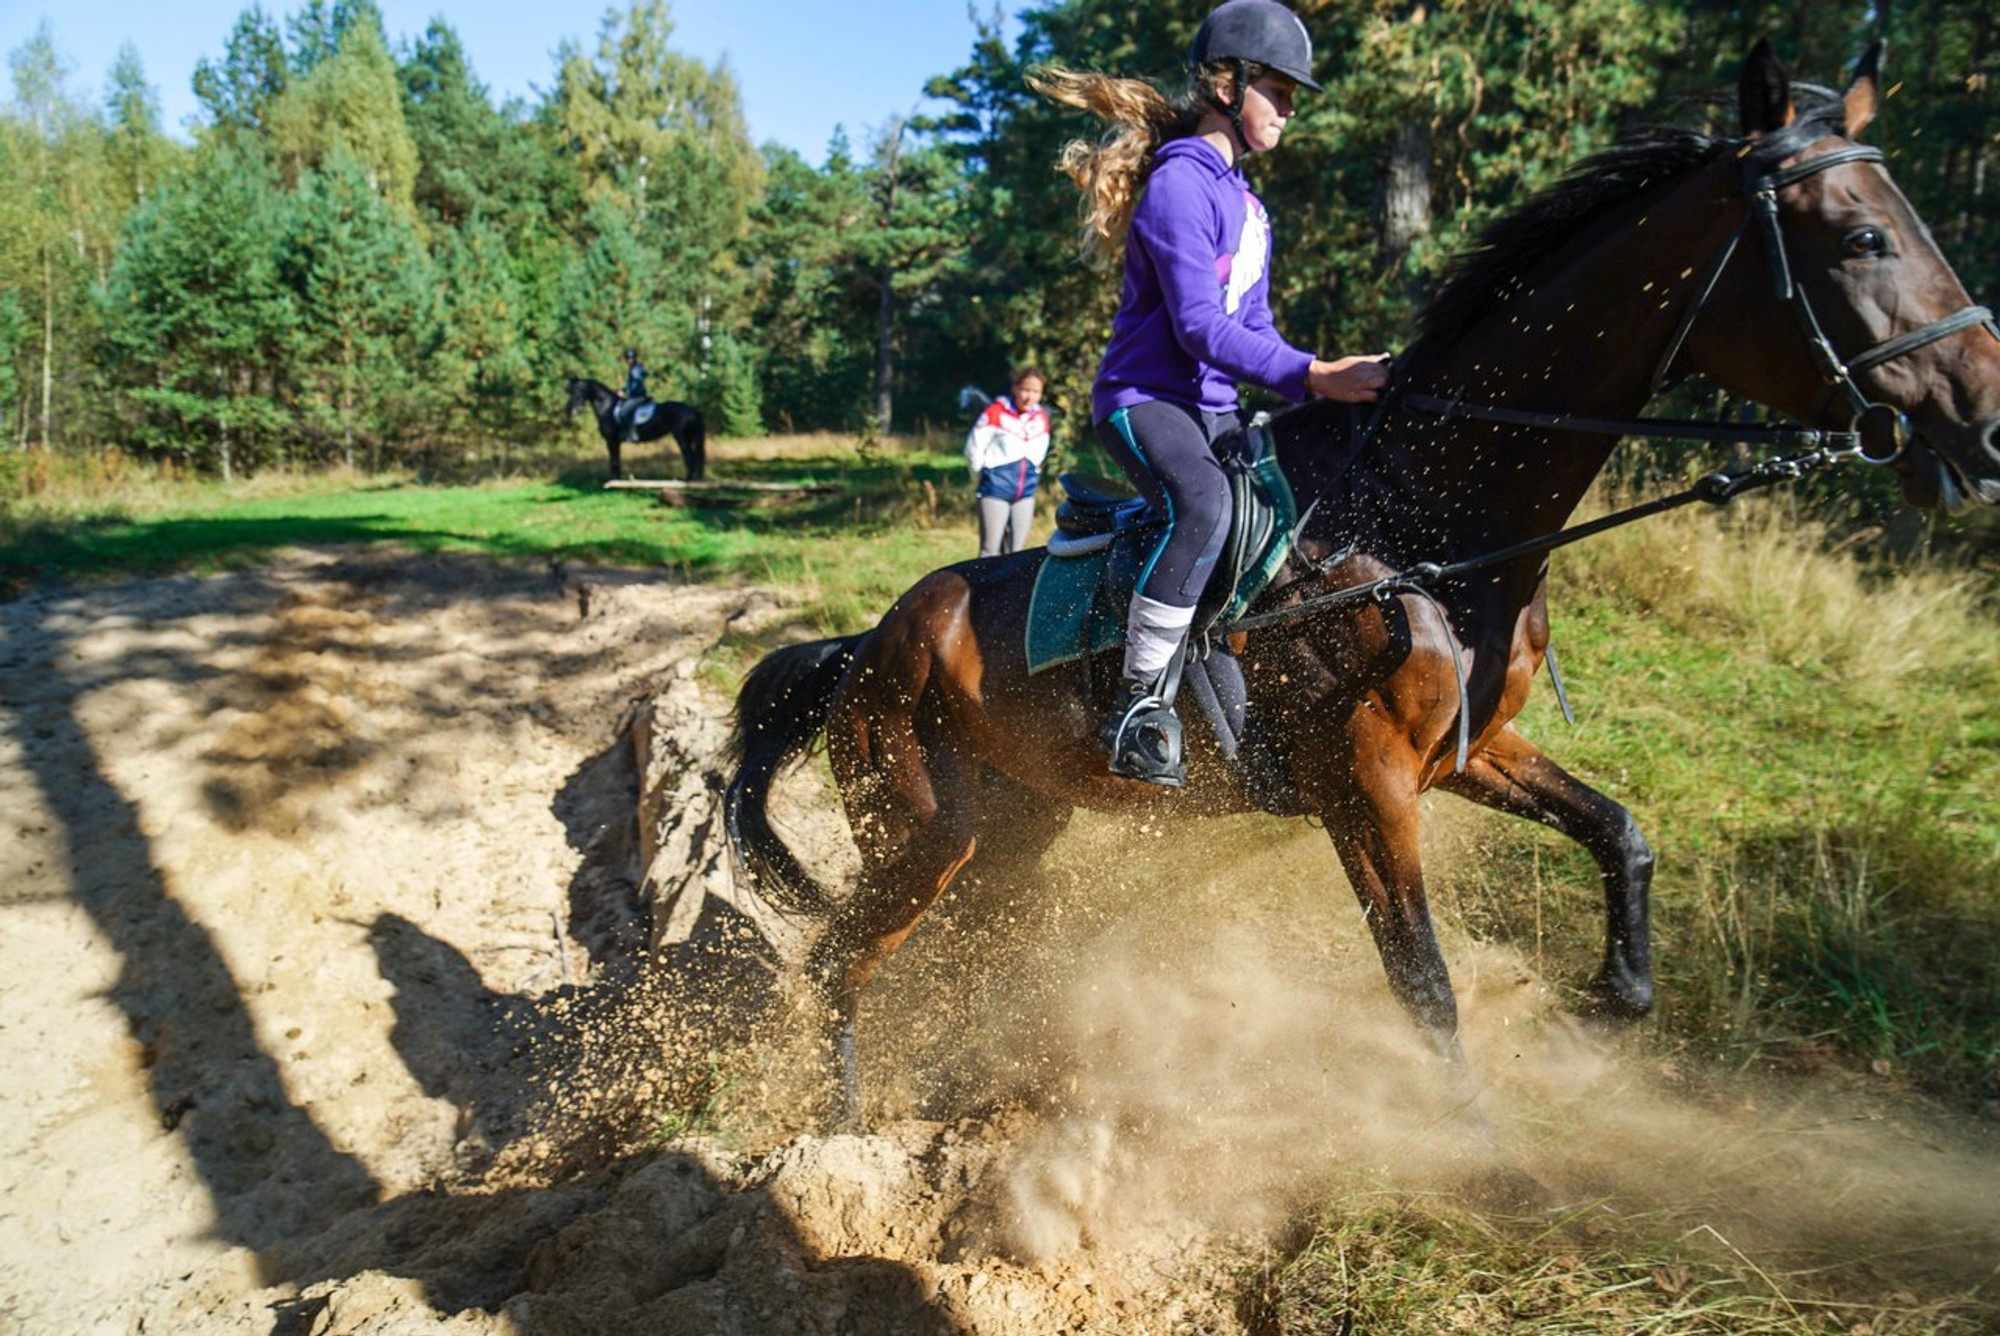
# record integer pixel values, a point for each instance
(1195, 315)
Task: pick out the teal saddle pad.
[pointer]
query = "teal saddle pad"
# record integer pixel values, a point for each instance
(1079, 601)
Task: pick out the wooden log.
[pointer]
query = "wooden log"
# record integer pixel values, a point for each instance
(723, 494)
(714, 484)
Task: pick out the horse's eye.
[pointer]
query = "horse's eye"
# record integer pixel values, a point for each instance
(1866, 242)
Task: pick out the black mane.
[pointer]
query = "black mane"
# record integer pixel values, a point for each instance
(1512, 248)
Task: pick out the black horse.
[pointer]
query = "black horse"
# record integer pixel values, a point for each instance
(681, 421)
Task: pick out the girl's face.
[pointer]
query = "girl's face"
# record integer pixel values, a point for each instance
(1266, 107)
(1027, 391)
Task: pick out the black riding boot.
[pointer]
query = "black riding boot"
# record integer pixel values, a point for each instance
(1142, 734)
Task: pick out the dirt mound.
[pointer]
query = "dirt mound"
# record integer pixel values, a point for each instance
(328, 1007)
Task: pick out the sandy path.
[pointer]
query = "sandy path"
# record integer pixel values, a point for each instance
(242, 820)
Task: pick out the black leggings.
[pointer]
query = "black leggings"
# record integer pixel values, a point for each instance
(1164, 449)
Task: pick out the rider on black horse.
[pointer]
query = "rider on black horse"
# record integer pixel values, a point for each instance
(634, 393)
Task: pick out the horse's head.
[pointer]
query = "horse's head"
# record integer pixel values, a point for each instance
(579, 395)
(1868, 325)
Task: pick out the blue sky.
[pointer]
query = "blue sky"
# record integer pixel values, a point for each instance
(803, 65)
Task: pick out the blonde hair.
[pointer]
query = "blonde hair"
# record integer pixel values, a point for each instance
(1111, 171)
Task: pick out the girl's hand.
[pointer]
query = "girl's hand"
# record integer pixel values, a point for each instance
(1350, 380)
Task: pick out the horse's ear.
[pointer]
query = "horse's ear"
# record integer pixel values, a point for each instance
(1764, 95)
(1864, 95)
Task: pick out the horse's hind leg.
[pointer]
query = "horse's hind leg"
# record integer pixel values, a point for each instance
(912, 814)
(1512, 775)
(693, 440)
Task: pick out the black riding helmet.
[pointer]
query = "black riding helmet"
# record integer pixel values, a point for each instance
(1261, 32)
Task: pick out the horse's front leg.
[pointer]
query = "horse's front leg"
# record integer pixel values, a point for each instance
(1375, 827)
(1376, 836)
(1512, 775)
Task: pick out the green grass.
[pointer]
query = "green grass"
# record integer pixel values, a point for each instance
(1429, 1265)
(902, 500)
(1809, 744)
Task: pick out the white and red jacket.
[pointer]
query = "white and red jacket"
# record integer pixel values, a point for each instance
(1006, 447)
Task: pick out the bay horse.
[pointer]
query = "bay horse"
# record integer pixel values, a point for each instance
(1748, 259)
(681, 421)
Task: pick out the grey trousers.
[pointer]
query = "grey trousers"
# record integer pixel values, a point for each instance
(1002, 519)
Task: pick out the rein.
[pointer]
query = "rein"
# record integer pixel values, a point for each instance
(1872, 422)
(1718, 488)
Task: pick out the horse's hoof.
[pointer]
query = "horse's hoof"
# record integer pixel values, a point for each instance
(1617, 1001)
(842, 1121)
(1510, 1191)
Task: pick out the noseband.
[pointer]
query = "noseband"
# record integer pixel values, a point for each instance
(1875, 425)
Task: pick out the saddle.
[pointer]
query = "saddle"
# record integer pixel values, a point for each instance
(1104, 534)
(633, 414)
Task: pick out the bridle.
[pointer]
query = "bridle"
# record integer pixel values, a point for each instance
(1872, 420)
(1878, 433)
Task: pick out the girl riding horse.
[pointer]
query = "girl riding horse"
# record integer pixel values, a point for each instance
(1167, 189)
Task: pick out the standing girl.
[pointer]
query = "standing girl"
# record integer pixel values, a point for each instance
(1004, 450)
(1165, 190)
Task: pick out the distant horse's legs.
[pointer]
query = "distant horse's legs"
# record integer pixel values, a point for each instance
(612, 446)
(693, 439)
(1512, 775)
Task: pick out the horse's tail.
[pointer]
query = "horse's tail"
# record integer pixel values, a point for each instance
(781, 709)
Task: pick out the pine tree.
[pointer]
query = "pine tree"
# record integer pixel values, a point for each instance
(351, 104)
(237, 92)
(814, 336)
(140, 156)
(194, 316)
(472, 157)
(360, 283)
(659, 136)
(481, 366)
(912, 241)
(321, 31)
(608, 300)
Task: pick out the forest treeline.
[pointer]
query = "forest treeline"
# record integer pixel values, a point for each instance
(363, 258)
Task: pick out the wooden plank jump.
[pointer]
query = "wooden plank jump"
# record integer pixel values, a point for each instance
(713, 492)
